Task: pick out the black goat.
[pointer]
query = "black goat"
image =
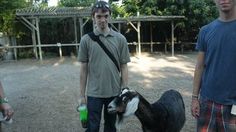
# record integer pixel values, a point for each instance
(165, 115)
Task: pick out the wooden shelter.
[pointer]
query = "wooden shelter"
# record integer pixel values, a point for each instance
(138, 19)
(30, 17)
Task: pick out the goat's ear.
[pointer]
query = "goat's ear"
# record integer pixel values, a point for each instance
(124, 88)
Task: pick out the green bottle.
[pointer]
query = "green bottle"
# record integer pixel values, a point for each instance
(83, 115)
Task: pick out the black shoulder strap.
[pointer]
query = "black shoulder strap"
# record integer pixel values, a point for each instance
(110, 55)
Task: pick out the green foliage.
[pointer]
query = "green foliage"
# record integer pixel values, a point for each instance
(7, 15)
(118, 11)
(202, 12)
(149, 7)
(131, 7)
(198, 13)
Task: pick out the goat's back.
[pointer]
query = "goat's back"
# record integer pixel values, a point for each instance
(173, 104)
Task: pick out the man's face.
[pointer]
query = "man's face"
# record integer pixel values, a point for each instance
(101, 19)
(225, 5)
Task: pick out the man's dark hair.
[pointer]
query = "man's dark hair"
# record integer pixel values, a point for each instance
(101, 5)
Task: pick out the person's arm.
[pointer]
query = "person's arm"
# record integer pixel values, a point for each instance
(1, 91)
(4, 106)
(124, 75)
(198, 73)
(196, 84)
(83, 81)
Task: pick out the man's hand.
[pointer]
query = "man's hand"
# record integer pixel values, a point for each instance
(82, 100)
(7, 110)
(195, 108)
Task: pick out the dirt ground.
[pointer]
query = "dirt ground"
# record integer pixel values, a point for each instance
(44, 94)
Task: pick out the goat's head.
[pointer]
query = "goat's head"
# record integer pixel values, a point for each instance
(124, 104)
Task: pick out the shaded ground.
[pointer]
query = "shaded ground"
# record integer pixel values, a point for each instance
(44, 94)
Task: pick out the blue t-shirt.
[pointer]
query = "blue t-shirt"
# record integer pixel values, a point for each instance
(218, 41)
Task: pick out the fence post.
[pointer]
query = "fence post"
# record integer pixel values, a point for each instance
(60, 51)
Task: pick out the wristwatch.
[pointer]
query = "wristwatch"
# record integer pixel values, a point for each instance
(3, 100)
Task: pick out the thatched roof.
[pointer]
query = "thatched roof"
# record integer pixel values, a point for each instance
(54, 12)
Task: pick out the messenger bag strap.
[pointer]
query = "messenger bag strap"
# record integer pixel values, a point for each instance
(110, 55)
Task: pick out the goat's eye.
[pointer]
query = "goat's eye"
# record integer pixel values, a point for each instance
(124, 99)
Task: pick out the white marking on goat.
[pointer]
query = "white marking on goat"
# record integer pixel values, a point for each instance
(132, 106)
(124, 91)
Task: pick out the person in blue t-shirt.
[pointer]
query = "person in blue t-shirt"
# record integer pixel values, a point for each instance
(214, 85)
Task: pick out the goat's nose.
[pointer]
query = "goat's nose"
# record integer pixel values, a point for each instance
(110, 109)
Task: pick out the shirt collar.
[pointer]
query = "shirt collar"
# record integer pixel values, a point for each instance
(111, 32)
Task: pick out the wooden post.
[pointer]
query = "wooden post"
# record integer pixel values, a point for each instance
(13, 41)
(31, 26)
(139, 41)
(76, 38)
(165, 47)
(137, 29)
(172, 37)
(59, 48)
(39, 41)
(81, 27)
(34, 40)
(119, 27)
(151, 38)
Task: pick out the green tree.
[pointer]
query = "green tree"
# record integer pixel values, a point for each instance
(7, 15)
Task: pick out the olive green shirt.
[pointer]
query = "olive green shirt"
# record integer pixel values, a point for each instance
(104, 79)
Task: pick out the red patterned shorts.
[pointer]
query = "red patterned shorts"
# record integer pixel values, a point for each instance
(215, 117)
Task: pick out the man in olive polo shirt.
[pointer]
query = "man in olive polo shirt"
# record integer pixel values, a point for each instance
(100, 79)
